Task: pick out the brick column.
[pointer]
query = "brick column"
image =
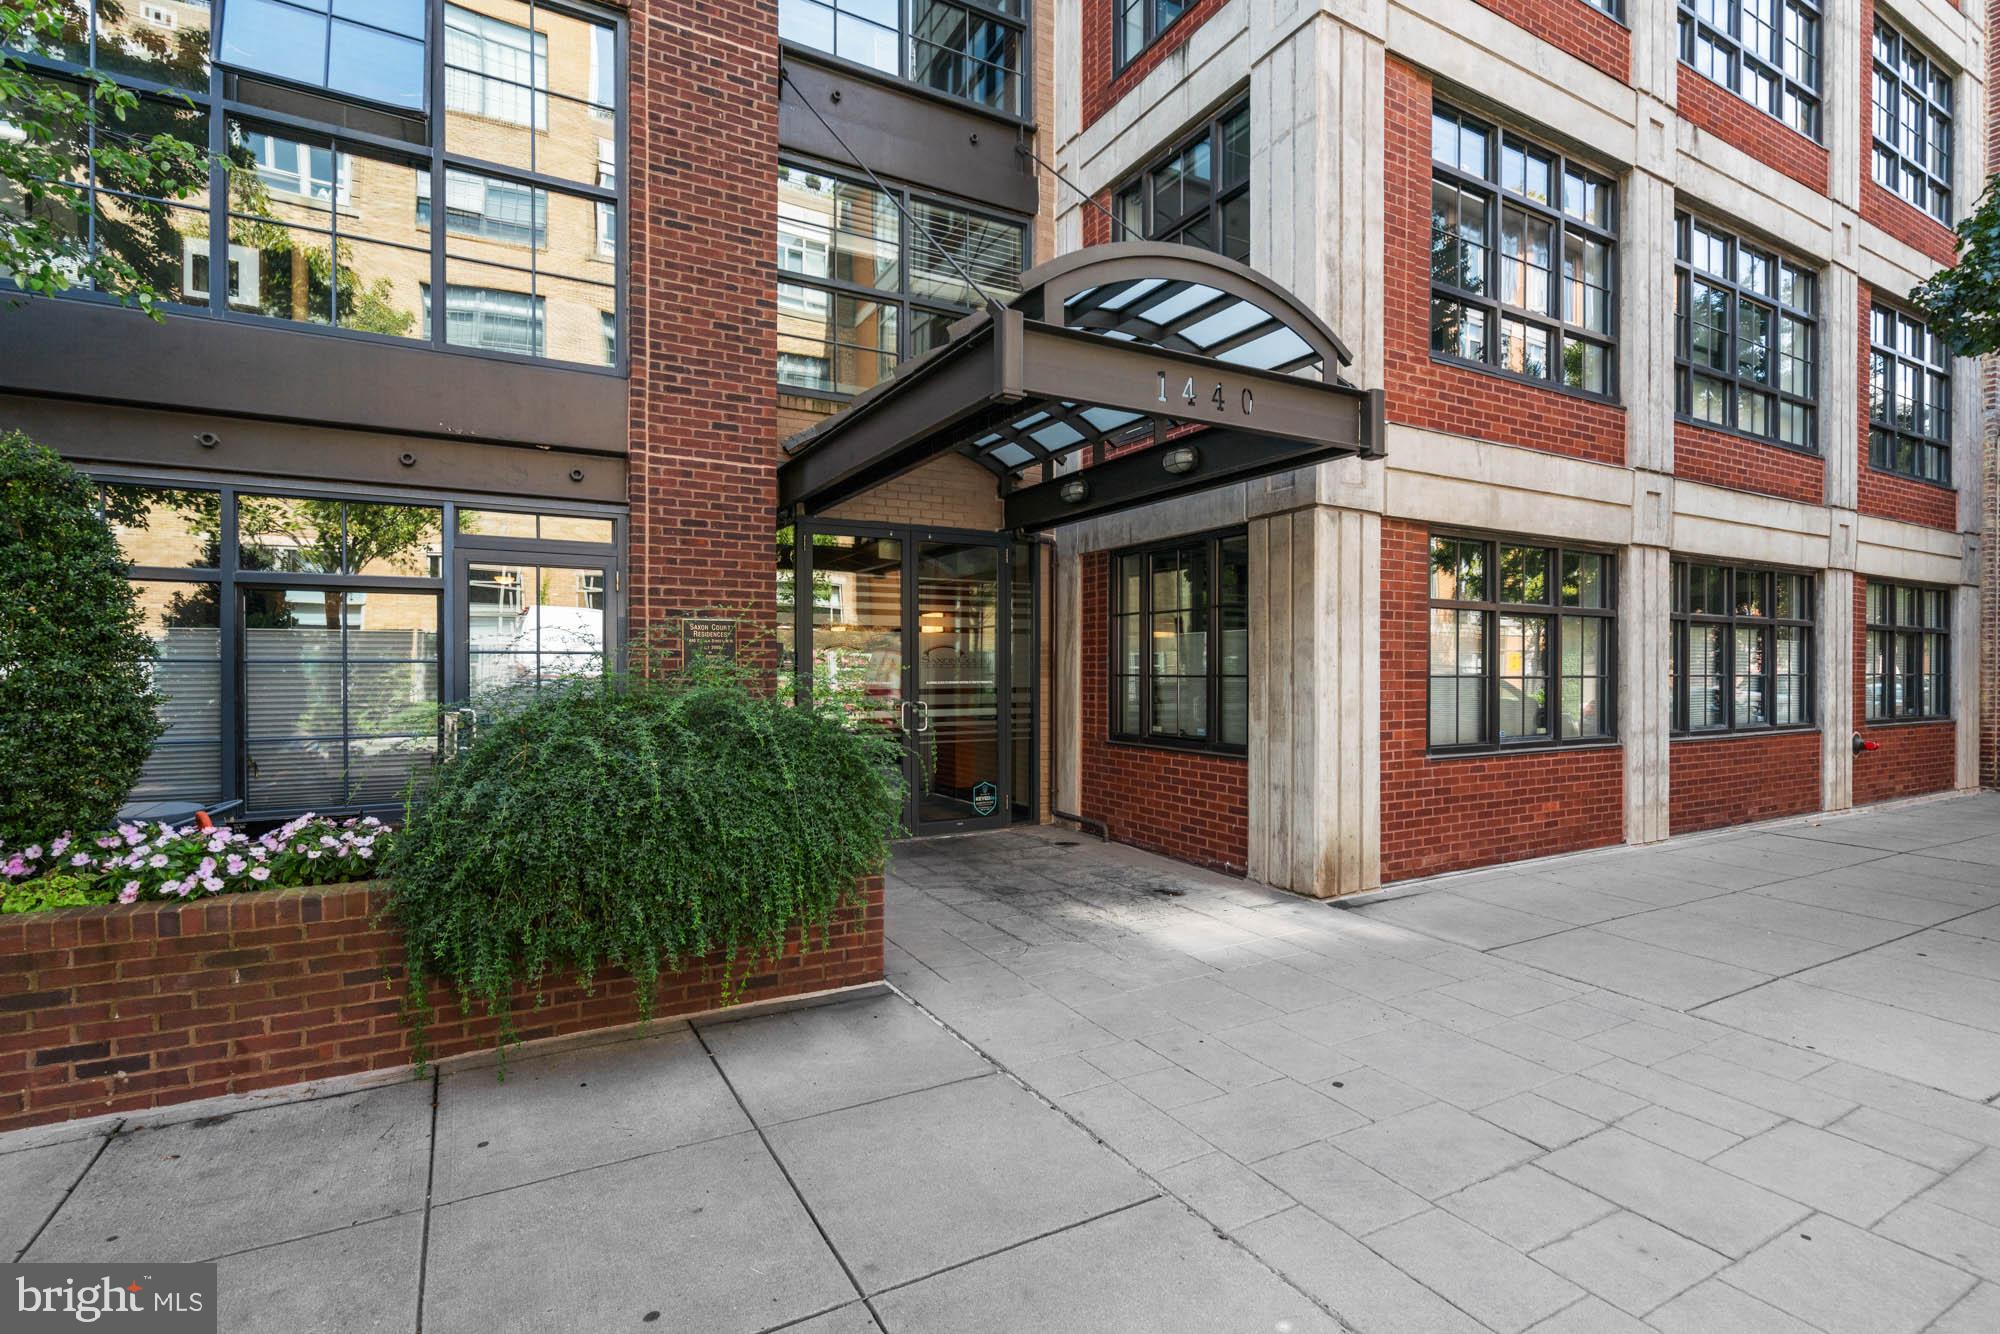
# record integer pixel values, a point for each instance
(703, 164)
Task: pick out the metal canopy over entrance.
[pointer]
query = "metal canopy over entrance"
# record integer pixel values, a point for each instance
(1106, 351)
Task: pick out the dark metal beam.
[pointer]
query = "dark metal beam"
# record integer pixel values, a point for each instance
(1139, 479)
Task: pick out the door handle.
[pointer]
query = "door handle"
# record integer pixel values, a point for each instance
(923, 715)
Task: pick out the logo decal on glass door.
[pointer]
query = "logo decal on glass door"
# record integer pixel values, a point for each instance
(985, 798)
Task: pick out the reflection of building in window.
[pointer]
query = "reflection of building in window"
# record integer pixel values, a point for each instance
(295, 167)
(495, 69)
(504, 211)
(967, 50)
(859, 288)
(491, 318)
(328, 232)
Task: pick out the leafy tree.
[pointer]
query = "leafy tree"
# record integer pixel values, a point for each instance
(59, 135)
(1962, 303)
(77, 716)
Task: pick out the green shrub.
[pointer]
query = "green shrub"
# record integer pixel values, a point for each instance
(639, 824)
(76, 697)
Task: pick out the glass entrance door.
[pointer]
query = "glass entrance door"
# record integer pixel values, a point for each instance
(913, 625)
(959, 729)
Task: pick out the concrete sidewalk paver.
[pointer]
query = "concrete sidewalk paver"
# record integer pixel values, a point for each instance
(366, 1275)
(709, 1236)
(939, 1177)
(1153, 1269)
(195, 1190)
(637, 1098)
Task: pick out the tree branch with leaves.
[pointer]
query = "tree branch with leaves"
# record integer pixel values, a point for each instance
(1962, 303)
(63, 140)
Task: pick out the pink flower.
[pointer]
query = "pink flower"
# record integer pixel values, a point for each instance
(260, 873)
(59, 847)
(157, 860)
(313, 856)
(235, 864)
(214, 885)
(81, 859)
(129, 894)
(33, 852)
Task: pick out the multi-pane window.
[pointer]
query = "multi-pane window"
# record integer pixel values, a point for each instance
(1909, 397)
(1521, 639)
(968, 49)
(1912, 123)
(1140, 23)
(1615, 8)
(1908, 671)
(1746, 349)
(1522, 256)
(326, 197)
(861, 285)
(1180, 643)
(370, 49)
(1198, 193)
(1743, 650)
(1765, 51)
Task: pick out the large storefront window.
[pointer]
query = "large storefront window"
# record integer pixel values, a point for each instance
(1523, 249)
(324, 187)
(860, 286)
(1521, 640)
(1180, 643)
(1743, 649)
(1198, 193)
(304, 644)
(1909, 652)
(967, 49)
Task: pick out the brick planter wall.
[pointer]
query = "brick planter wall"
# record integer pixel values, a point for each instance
(120, 1008)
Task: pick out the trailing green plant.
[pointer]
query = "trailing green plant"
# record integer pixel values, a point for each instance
(53, 891)
(640, 823)
(77, 714)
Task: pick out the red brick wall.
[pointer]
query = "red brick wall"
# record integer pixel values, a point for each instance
(1100, 88)
(1447, 814)
(1885, 494)
(703, 243)
(1902, 220)
(115, 1009)
(1434, 394)
(1186, 804)
(1585, 32)
(1709, 106)
(1729, 780)
(1914, 757)
(1721, 459)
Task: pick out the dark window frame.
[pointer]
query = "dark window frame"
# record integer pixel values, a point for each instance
(901, 298)
(1151, 30)
(1930, 445)
(1936, 701)
(1134, 194)
(233, 581)
(1890, 52)
(1684, 619)
(1686, 273)
(1138, 732)
(1786, 88)
(1611, 9)
(1495, 197)
(269, 104)
(1015, 17)
(1492, 609)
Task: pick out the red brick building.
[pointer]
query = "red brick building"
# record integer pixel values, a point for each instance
(1620, 491)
